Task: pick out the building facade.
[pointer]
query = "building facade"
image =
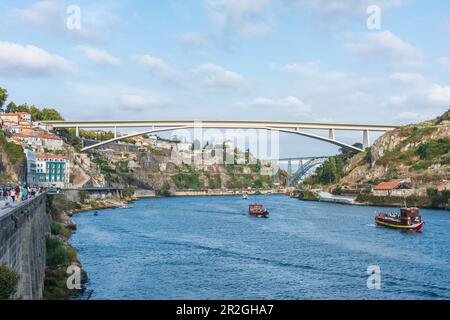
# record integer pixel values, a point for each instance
(18, 118)
(40, 141)
(52, 170)
(32, 178)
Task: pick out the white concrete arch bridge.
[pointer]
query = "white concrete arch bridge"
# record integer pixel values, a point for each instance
(291, 127)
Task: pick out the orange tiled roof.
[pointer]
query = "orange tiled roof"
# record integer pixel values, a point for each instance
(51, 156)
(390, 185)
(48, 136)
(15, 114)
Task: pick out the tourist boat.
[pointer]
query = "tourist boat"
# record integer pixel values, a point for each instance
(257, 209)
(245, 196)
(408, 219)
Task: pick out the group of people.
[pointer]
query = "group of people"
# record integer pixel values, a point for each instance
(12, 195)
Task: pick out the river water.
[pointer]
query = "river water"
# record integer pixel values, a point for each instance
(209, 248)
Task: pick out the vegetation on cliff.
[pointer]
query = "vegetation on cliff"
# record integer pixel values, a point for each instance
(8, 282)
(12, 160)
(60, 255)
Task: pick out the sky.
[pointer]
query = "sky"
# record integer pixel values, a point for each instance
(324, 61)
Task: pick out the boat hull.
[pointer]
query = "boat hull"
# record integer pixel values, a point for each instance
(414, 227)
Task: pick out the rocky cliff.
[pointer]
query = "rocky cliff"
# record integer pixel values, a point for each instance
(153, 169)
(419, 152)
(12, 161)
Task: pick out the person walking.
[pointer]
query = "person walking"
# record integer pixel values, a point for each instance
(17, 193)
(10, 199)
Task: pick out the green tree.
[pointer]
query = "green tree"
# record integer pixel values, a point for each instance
(432, 192)
(3, 98)
(22, 108)
(10, 107)
(50, 114)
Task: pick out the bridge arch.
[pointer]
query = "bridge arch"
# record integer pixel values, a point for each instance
(297, 132)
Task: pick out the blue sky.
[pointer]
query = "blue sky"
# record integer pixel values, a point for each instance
(228, 59)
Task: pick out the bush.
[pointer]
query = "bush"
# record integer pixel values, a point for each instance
(128, 191)
(187, 181)
(122, 166)
(337, 191)
(57, 253)
(165, 190)
(58, 228)
(421, 165)
(214, 181)
(431, 149)
(432, 192)
(8, 282)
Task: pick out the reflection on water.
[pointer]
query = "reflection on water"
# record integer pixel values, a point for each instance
(209, 248)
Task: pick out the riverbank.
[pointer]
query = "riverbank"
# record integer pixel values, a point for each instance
(371, 200)
(60, 254)
(226, 192)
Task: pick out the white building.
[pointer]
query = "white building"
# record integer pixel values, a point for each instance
(38, 142)
(53, 170)
(32, 178)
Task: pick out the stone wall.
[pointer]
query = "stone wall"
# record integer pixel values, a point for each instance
(23, 232)
(76, 195)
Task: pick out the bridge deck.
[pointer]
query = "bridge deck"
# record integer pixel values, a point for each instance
(232, 124)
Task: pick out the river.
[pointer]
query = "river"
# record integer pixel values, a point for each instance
(209, 248)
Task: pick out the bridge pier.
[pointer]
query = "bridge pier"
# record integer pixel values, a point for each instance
(331, 134)
(77, 132)
(366, 139)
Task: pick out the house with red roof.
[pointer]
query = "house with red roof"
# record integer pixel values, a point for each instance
(395, 188)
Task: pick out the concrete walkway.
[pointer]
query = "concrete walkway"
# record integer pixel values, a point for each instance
(328, 197)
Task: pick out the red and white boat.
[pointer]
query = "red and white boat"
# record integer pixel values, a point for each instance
(408, 219)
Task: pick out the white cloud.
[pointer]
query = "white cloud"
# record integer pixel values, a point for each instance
(98, 56)
(439, 95)
(51, 16)
(214, 76)
(245, 17)
(157, 66)
(28, 60)
(312, 70)
(351, 97)
(338, 14)
(138, 102)
(193, 39)
(409, 116)
(399, 100)
(384, 47)
(407, 78)
(444, 62)
(289, 103)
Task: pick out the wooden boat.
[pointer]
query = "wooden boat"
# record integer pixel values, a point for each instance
(408, 219)
(257, 209)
